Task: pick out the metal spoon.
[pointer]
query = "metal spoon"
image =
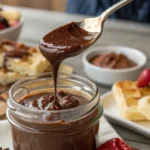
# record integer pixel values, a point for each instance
(96, 24)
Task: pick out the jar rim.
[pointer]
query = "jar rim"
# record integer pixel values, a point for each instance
(51, 111)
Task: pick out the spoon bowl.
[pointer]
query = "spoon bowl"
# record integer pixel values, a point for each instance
(96, 24)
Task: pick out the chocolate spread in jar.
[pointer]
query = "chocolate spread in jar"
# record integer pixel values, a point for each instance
(112, 61)
(59, 134)
(66, 41)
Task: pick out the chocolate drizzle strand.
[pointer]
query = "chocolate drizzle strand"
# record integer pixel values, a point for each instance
(4, 149)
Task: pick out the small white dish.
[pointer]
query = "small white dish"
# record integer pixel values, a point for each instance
(110, 76)
(12, 33)
(112, 113)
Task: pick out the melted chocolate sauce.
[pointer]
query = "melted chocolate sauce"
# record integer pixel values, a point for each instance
(66, 41)
(44, 101)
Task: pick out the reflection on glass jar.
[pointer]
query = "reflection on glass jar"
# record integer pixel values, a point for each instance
(72, 129)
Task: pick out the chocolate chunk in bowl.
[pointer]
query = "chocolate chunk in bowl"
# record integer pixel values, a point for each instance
(108, 72)
(112, 61)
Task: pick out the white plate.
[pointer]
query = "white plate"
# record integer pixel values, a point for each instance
(111, 112)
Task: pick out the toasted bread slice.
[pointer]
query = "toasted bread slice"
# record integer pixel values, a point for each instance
(10, 14)
(8, 77)
(21, 59)
(144, 106)
(127, 95)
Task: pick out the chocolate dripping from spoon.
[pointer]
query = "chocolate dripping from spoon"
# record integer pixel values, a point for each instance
(66, 41)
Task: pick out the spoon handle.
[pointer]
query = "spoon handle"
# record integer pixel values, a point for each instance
(113, 8)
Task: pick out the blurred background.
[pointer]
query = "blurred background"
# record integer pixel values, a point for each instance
(138, 10)
(56, 5)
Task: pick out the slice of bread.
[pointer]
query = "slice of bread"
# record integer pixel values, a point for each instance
(30, 63)
(8, 77)
(144, 106)
(127, 95)
(10, 14)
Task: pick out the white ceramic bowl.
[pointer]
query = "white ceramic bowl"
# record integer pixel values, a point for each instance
(110, 76)
(12, 33)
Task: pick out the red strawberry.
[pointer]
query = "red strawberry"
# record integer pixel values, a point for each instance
(114, 144)
(144, 78)
(2, 26)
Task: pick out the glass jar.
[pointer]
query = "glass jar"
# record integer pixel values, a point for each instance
(72, 129)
